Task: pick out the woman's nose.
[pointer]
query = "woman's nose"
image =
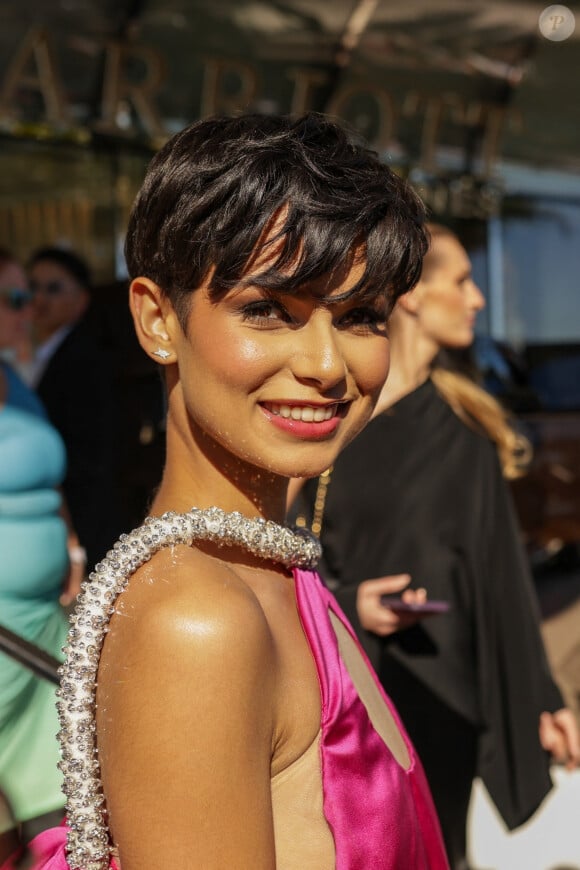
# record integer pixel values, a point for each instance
(477, 297)
(318, 355)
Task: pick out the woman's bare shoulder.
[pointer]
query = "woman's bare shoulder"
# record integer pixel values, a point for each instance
(187, 602)
(186, 695)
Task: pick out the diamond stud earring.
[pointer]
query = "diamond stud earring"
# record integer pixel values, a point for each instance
(161, 353)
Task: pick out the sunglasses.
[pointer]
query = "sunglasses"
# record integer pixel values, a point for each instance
(51, 288)
(15, 298)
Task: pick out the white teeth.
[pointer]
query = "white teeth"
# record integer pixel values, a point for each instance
(307, 413)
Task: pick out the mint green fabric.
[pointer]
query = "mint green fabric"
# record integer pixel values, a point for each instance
(33, 563)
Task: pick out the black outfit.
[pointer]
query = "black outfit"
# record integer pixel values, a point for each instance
(420, 492)
(141, 406)
(76, 389)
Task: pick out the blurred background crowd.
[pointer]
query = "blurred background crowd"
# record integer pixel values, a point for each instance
(474, 101)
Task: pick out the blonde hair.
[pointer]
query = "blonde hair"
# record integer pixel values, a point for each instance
(476, 407)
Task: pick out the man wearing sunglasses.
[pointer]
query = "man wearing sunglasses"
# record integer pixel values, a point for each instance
(74, 381)
(59, 284)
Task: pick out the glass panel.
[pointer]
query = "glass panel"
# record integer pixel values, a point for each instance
(70, 196)
(541, 244)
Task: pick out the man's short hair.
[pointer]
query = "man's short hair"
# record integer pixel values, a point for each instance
(67, 260)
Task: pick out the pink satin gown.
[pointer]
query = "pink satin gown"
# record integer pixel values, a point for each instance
(380, 812)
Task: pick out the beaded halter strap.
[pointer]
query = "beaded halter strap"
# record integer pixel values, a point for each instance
(88, 842)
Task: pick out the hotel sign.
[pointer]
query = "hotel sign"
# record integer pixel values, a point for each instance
(130, 107)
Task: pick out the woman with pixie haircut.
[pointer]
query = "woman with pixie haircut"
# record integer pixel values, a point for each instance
(216, 709)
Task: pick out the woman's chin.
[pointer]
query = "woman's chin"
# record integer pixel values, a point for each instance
(459, 342)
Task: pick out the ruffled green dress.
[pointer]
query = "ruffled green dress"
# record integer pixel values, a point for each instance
(33, 563)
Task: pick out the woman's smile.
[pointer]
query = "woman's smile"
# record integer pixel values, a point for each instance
(303, 420)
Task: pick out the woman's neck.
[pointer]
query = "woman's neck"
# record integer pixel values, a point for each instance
(195, 477)
(411, 358)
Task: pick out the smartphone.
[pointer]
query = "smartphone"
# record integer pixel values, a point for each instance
(428, 607)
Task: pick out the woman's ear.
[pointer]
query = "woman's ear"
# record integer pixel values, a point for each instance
(154, 320)
(409, 302)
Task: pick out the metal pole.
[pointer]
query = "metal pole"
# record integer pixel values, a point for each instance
(495, 265)
(37, 660)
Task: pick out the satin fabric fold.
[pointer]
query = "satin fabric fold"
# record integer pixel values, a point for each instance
(380, 813)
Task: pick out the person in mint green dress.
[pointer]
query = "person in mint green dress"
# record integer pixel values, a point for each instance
(33, 567)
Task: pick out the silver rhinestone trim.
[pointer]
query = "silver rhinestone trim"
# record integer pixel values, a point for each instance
(88, 841)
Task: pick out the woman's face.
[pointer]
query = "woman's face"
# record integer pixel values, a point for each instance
(447, 298)
(15, 309)
(281, 382)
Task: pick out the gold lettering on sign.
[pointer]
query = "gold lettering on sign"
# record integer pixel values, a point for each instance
(214, 98)
(386, 113)
(492, 120)
(134, 73)
(435, 110)
(117, 89)
(305, 81)
(45, 80)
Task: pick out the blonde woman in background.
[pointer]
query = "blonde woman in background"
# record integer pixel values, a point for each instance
(421, 492)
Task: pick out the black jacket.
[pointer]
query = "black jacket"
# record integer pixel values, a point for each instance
(77, 391)
(420, 492)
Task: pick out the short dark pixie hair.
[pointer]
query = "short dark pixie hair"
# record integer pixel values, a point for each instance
(67, 260)
(214, 189)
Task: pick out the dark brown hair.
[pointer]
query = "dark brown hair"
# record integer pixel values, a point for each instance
(214, 189)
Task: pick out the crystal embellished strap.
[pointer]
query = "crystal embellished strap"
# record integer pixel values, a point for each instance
(88, 842)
